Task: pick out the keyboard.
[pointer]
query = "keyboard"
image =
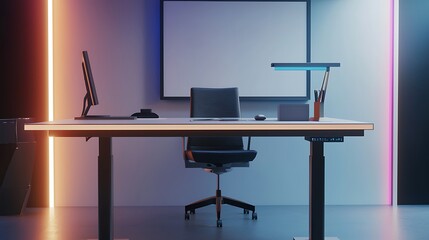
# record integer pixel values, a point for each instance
(104, 117)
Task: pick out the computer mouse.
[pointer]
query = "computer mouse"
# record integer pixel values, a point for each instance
(260, 117)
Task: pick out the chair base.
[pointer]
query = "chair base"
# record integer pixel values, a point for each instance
(218, 200)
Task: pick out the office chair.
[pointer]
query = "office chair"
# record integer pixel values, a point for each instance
(216, 154)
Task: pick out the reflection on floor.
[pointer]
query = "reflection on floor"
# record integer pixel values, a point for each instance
(274, 222)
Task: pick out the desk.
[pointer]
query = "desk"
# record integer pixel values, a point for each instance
(317, 133)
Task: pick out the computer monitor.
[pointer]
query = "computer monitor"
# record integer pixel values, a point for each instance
(91, 98)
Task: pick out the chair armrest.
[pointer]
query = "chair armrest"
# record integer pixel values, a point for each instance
(189, 163)
(248, 142)
(184, 148)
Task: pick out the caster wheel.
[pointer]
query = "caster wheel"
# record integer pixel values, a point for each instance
(219, 223)
(245, 211)
(186, 216)
(254, 216)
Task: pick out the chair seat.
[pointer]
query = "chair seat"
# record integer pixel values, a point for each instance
(220, 157)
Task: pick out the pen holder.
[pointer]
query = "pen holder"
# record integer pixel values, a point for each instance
(318, 111)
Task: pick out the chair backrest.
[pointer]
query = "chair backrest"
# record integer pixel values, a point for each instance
(215, 103)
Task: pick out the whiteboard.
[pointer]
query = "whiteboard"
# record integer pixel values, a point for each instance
(232, 44)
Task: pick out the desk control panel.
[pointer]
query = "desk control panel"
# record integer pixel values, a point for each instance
(325, 139)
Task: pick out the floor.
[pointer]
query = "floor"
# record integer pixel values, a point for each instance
(274, 222)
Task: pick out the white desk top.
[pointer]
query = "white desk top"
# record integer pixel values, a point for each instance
(188, 124)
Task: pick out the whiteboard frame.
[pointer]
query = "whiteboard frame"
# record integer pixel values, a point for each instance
(304, 97)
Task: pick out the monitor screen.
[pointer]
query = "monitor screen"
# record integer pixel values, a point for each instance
(90, 98)
(89, 80)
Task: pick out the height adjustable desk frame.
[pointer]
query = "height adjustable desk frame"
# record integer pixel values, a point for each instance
(317, 133)
(317, 160)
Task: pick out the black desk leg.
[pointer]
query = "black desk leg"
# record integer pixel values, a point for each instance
(317, 191)
(105, 213)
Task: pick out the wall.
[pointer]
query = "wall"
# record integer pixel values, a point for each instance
(357, 34)
(123, 41)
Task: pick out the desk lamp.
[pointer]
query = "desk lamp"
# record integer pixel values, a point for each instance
(319, 96)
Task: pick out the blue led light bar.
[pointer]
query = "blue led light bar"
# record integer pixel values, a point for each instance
(303, 66)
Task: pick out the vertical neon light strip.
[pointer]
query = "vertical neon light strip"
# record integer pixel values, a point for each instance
(390, 102)
(51, 101)
(395, 82)
(393, 102)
